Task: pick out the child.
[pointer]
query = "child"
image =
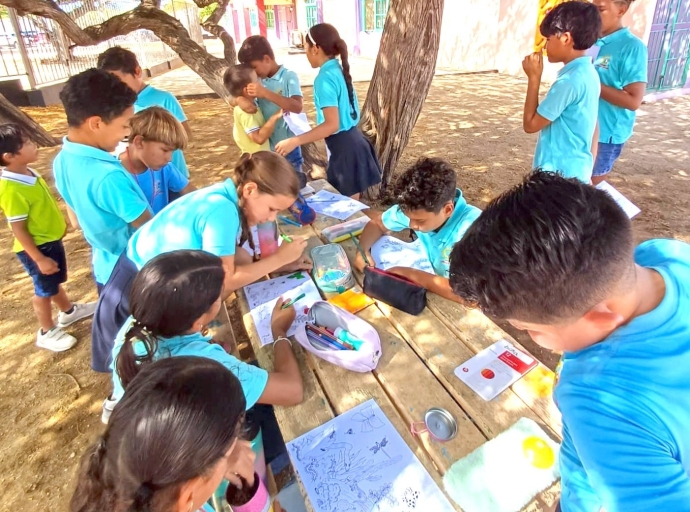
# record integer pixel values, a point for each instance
(567, 117)
(353, 166)
(250, 131)
(107, 202)
(211, 219)
(172, 300)
(622, 67)
(556, 258)
(277, 89)
(154, 136)
(38, 228)
(173, 438)
(429, 203)
(123, 64)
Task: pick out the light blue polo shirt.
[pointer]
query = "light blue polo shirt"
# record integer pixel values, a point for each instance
(207, 219)
(622, 60)
(285, 83)
(157, 185)
(105, 198)
(439, 243)
(330, 90)
(252, 378)
(565, 145)
(626, 404)
(149, 96)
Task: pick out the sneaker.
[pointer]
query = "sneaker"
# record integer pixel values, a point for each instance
(79, 311)
(108, 406)
(302, 212)
(55, 339)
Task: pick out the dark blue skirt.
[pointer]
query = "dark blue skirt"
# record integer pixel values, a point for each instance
(111, 313)
(353, 166)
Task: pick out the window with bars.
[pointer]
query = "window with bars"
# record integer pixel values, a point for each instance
(270, 18)
(373, 14)
(312, 12)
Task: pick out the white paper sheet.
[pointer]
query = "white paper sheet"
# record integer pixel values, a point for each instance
(357, 462)
(298, 123)
(389, 252)
(335, 205)
(628, 207)
(307, 190)
(262, 298)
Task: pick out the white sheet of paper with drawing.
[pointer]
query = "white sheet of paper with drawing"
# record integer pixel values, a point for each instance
(389, 252)
(262, 298)
(358, 462)
(335, 205)
(628, 207)
(299, 124)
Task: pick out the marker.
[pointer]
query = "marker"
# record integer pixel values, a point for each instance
(286, 238)
(324, 338)
(292, 302)
(359, 248)
(327, 333)
(289, 221)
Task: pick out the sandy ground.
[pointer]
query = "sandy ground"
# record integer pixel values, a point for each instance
(50, 403)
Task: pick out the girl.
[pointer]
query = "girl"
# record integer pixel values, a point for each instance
(172, 299)
(622, 67)
(353, 166)
(197, 407)
(212, 219)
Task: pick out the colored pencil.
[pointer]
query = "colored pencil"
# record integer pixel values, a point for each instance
(324, 339)
(289, 221)
(359, 248)
(292, 302)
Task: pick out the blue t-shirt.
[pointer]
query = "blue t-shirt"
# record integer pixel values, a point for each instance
(149, 96)
(565, 145)
(105, 198)
(330, 90)
(285, 83)
(252, 378)
(156, 185)
(207, 219)
(626, 404)
(622, 60)
(439, 243)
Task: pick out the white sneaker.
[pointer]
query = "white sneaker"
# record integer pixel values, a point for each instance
(80, 311)
(55, 339)
(108, 406)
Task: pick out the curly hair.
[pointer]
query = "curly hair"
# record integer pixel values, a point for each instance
(95, 92)
(427, 185)
(578, 17)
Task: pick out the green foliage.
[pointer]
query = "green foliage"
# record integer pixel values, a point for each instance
(205, 12)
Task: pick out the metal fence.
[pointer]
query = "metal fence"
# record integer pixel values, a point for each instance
(36, 48)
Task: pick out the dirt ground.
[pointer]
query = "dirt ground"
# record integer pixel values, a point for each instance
(50, 403)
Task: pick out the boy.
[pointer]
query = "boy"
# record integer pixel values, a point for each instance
(155, 134)
(124, 65)
(556, 258)
(277, 89)
(107, 202)
(38, 228)
(250, 131)
(428, 202)
(567, 117)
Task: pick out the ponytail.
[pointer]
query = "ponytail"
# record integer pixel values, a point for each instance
(341, 46)
(128, 363)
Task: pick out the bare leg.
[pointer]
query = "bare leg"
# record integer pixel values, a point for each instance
(598, 179)
(355, 197)
(44, 312)
(62, 301)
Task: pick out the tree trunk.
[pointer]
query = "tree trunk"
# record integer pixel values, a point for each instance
(11, 114)
(402, 76)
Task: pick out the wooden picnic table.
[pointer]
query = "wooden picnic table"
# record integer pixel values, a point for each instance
(415, 372)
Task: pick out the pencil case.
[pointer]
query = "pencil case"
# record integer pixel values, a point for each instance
(394, 290)
(342, 232)
(327, 315)
(332, 271)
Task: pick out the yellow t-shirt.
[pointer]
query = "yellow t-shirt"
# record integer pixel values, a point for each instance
(244, 125)
(28, 198)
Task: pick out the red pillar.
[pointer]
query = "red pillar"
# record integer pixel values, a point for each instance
(261, 8)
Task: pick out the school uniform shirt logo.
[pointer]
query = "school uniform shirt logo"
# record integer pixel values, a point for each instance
(603, 61)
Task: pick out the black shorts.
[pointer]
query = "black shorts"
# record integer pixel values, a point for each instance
(46, 285)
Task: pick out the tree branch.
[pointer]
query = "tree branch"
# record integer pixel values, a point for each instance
(211, 25)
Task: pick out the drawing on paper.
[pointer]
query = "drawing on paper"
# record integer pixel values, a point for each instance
(335, 205)
(389, 252)
(262, 298)
(358, 462)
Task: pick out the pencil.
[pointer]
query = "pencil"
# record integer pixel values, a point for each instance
(359, 248)
(289, 221)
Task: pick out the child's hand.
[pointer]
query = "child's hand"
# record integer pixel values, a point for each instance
(292, 251)
(360, 264)
(533, 65)
(278, 115)
(247, 105)
(256, 90)
(287, 146)
(281, 319)
(47, 266)
(241, 464)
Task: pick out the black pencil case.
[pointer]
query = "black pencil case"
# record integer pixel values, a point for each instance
(394, 290)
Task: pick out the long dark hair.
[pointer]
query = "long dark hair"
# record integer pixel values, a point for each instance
(326, 37)
(176, 421)
(168, 295)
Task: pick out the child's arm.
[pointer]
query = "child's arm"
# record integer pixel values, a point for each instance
(595, 142)
(176, 181)
(248, 106)
(72, 218)
(630, 97)
(46, 265)
(189, 188)
(532, 122)
(286, 103)
(373, 230)
(141, 220)
(432, 282)
(185, 125)
(264, 133)
(329, 126)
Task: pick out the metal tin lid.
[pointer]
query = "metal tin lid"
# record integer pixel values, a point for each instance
(441, 424)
